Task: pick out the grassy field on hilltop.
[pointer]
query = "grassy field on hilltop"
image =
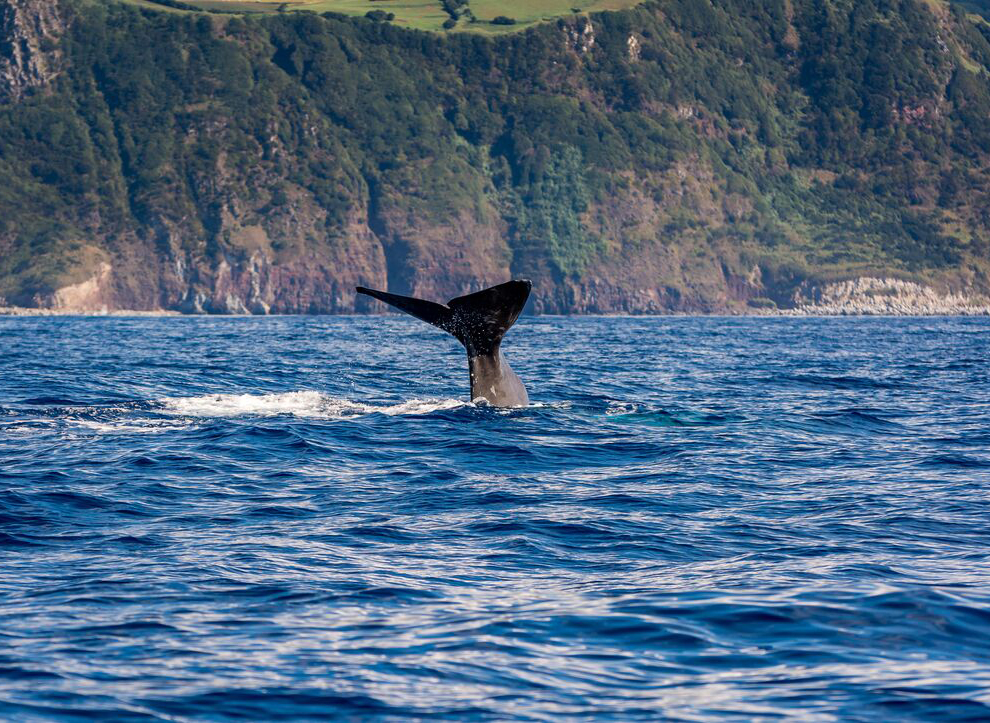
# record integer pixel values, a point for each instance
(418, 14)
(530, 11)
(151, 5)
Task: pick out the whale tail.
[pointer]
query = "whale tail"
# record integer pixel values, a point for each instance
(478, 321)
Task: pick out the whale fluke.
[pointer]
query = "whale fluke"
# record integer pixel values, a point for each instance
(428, 311)
(478, 321)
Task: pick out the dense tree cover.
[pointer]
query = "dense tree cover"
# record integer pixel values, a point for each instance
(824, 134)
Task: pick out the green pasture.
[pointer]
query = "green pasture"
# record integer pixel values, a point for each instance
(528, 12)
(418, 14)
(152, 6)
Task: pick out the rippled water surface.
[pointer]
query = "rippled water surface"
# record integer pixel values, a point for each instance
(291, 518)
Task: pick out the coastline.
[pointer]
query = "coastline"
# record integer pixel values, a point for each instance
(31, 311)
(804, 312)
(862, 296)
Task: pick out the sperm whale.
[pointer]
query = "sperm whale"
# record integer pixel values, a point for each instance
(478, 321)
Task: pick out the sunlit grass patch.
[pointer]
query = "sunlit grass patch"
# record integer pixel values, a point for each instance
(527, 12)
(417, 14)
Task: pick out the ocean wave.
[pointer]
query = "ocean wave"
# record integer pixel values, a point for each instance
(299, 519)
(147, 426)
(303, 404)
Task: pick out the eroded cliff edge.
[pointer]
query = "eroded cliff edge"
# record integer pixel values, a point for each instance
(29, 54)
(679, 157)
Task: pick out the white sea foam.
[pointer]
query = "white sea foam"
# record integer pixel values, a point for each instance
(28, 429)
(140, 427)
(305, 404)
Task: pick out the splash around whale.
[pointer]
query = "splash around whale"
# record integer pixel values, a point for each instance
(479, 321)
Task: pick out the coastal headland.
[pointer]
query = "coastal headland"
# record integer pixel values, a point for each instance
(653, 158)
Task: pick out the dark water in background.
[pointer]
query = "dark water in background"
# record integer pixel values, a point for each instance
(251, 518)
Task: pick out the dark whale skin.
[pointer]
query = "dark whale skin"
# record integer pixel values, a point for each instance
(479, 321)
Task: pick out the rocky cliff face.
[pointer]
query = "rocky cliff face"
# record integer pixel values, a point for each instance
(885, 297)
(673, 158)
(29, 55)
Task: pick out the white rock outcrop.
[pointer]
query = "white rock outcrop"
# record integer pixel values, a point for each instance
(872, 296)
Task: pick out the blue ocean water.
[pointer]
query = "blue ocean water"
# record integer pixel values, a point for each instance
(297, 518)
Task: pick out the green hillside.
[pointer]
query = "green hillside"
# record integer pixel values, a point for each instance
(436, 15)
(678, 155)
(980, 7)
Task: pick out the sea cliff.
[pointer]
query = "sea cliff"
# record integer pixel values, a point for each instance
(677, 157)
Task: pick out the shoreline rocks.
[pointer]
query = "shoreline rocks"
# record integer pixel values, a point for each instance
(857, 297)
(25, 311)
(871, 296)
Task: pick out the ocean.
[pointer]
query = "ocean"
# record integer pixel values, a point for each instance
(296, 518)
